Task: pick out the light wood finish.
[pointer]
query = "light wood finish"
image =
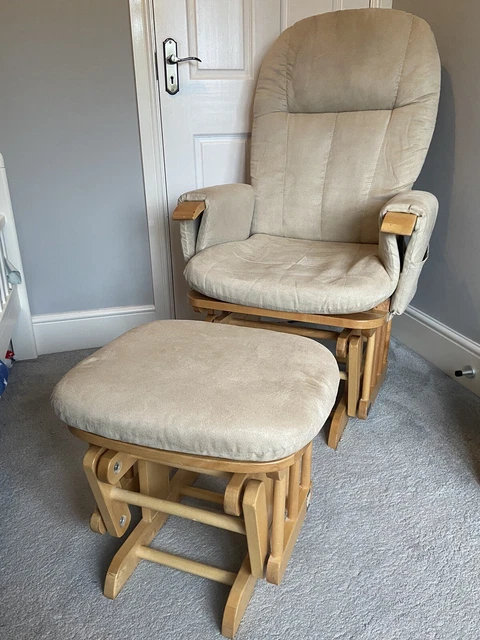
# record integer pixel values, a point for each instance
(201, 464)
(293, 489)
(365, 320)
(184, 564)
(220, 520)
(113, 466)
(255, 514)
(232, 502)
(160, 497)
(126, 559)
(342, 343)
(278, 523)
(115, 515)
(388, 333)
(188, 210)
(401, 224)
(354, 366)
(306, 468)
(319, 334)
(154, 480)
(203, 494)
(238, 599)
(97, 524)
(338, 423)
(368, 370)
(277, 563)
(364, 405)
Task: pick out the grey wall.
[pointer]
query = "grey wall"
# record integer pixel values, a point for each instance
(449, 289)
(69, 136)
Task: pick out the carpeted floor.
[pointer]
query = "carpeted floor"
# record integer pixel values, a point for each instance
(390, 549)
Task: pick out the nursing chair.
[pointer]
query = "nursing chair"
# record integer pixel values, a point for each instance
(343, 116)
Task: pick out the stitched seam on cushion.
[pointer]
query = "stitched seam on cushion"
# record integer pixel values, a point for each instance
(287, 71)
(399, 77)
(287, 126)
(400, 74)
(325, 174)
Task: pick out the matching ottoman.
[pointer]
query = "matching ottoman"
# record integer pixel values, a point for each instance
(171, 400)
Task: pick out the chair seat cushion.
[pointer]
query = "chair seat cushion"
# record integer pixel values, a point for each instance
(205, 389)
(286, 274)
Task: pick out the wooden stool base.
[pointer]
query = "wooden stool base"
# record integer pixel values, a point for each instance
(265, 501)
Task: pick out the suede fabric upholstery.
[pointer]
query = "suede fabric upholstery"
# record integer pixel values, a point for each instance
(227, 217)
(425, 206)
(344, 112)
(303, 276)
(205, 389)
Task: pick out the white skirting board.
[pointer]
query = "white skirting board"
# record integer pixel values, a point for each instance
(440, 345)
(87, 329)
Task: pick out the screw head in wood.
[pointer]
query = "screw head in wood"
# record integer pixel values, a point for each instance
(116, 467)
(123, 520)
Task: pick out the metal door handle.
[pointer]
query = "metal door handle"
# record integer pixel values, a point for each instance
(171, 61)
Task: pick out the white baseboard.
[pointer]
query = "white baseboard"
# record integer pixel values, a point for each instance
(56, 332)
(440, 345)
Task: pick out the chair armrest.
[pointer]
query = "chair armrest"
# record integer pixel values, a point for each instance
(188, 210)
(413, 214)
(226, 216)
(401, 224)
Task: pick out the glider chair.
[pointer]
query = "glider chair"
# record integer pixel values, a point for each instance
(344, 112)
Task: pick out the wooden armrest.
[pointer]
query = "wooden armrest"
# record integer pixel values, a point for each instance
(402, 224)
(188, 210)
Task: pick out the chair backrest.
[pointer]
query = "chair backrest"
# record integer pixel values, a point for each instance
(344, 112)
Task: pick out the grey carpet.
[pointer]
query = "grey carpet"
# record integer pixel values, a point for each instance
(390, 549)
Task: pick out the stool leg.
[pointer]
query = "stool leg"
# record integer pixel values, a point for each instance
(238, 599)
(285, 531)
(115, 515)
(154, 481)
(126, 559)
(255, 514)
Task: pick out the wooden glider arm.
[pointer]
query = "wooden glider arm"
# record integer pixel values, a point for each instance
(401, 224)
(188, 210)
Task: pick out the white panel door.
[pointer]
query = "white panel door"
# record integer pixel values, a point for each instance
(206, 125)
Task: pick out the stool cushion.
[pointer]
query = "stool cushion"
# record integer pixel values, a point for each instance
(205, 389)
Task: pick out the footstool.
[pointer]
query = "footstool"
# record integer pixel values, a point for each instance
(171, 400)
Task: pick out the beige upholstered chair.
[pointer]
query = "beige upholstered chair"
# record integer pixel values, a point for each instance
(344, 112)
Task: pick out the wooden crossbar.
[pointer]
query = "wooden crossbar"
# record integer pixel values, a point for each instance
(202, 494)
(184, 564)
(220, 520)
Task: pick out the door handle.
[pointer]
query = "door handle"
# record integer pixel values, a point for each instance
(171, 61)
(174, 60)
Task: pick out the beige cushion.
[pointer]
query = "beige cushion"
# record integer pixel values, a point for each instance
(214, 390)
(293, 275)
(344, 112)
(227, 217)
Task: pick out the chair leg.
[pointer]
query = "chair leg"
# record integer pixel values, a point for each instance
(354, 367)
(338, 423)
(364, 403)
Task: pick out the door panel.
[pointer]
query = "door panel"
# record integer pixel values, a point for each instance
(206, 125)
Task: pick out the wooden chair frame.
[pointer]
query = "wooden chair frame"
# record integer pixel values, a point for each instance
(265, 501)
(362, 339)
